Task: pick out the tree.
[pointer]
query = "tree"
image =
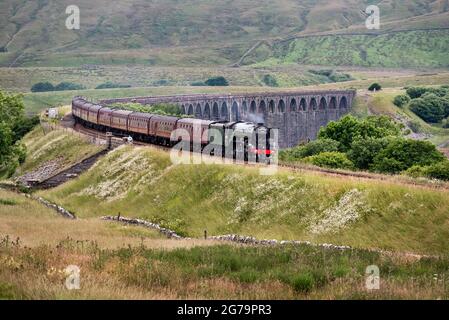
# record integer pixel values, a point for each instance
(68, 86)
(42, 87)
(401, 154)
(364, 150)
(270, 81)
(430, 107)
(348, 128)
(217, 81)
(12, 123)
(310, 149)
(401, 100)
(375, 87)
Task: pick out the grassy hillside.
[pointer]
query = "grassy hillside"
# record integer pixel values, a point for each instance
(141, 182)
(129, 262)
(394, 50)
(181, 32)
(64, 147)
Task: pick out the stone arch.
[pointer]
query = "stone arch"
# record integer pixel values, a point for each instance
(262, 107)
(245, 107)
(293, 106)
(198, 113)
(303, 105)
(190, 111)
(313, 105)
(333, 103)
(235, 116)
(271, 106)
(206, 113)
(281, 106)
(224, 114)
(323, 104)
(183, 109)
(215, 112)
(253, 107)
(343, 103)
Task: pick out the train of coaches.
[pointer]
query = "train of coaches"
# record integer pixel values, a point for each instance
(237, 139)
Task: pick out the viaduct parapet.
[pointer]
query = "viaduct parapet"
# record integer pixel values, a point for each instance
(298, 115)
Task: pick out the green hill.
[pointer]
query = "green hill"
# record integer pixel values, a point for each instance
(173, 32)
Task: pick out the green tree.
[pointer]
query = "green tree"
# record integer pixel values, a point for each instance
(42, 87)
(68, 86)
(12, 120)
(401, 100)
(310, 149)
(430, 107)
(375, 87)
(364, 150)
(401, 154)
(348, 128)
(217, 81)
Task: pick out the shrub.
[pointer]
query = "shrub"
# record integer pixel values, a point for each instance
(417, 92)
(63, 86)
(112, 85)
(217, 81)
(415, 171)
(364, 150)
(401, 154)
(42, 87)
(270, 81)
(430, 107)
(375, 87)
(348, 128)
(310, 149)
(335, 160)
(438, 170)
(401, 100)
(303, 282)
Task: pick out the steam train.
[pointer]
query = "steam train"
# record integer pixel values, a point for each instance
(240, 140)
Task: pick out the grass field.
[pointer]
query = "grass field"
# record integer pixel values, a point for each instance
(142, 182)
(128, 262)
(64, 146)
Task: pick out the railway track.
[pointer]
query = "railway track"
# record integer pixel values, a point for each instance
(438, 185)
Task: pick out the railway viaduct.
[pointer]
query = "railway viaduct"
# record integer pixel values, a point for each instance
(298, 115)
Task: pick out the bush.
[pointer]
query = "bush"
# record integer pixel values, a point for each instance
(310, 149)
(348, 128)
(42, 87)
(438, 171)
(401, 154)
(270, 81)
(112, 85)
(375, 87)
(401, 100)
(335, 160)
(217, 81)
(63, 86)
(364, 150)
(417, 92)
(415, 171)
(430, 107)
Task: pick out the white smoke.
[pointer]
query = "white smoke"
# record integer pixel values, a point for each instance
(256, 118)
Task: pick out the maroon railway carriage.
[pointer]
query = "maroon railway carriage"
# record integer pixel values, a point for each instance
(104, 117)
(93, 113)
(197, 129)
(119, 119)
(138, 122)
(161, 127)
